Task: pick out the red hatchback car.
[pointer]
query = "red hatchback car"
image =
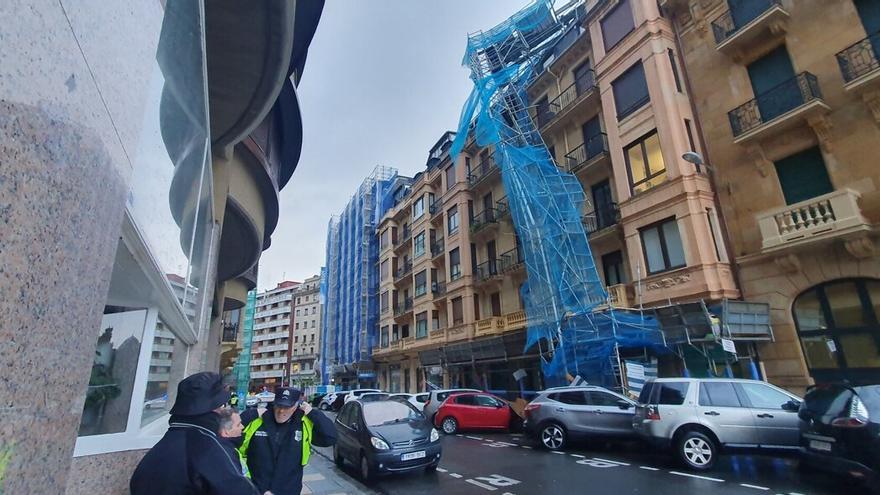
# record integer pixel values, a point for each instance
(472, 411)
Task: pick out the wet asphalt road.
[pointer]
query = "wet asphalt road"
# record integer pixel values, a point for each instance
(502, 463)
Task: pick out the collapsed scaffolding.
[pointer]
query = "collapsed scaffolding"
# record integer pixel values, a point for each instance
(351, 279)
(563, 291)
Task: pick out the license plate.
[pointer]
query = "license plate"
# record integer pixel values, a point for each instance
(412, 455)
(819, 445)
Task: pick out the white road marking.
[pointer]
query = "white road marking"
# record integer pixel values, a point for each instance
(578, 456)
(557, 452)
(459, 435)
(482, 485)
(649, 468)
(756, 487)
(473, 438)
(697, 476)
(612, 462)
(455, 475)
(795, 493)
(525, 446)
(442, 470)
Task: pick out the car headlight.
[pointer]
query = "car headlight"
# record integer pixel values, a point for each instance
(435, 435)
(379, 444)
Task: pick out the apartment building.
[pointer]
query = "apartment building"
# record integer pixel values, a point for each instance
(270, 346)
(787, 94)
(307, 325)
(351, 305)
(437, 293)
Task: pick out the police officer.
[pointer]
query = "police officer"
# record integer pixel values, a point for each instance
(233, 399)
(277, 443)
(190, 458)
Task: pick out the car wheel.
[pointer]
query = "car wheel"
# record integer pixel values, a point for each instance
(337, 457)
(449, 425)
(697, 451)
(366, 470)
(553, 436)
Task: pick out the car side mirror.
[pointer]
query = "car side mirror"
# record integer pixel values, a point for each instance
(623, 404)
(791, 406)
(499, 405)
(354, 426)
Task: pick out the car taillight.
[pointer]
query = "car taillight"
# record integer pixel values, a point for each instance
(858, 415)
(652, 413)
(531, 407)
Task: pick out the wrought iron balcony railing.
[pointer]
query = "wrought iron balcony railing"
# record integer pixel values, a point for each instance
(602, 217)
(487, 270)
(482, 170)
(770, 105)
(511, 260)
(593, 147)
(436, 207)
(403, 271)
(727, 24)
(401, 309)
(438, 288)
(438, 247)
(483, 219)
(584, 83)
(860, 58)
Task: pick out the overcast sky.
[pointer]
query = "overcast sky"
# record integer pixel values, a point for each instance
(383, 81)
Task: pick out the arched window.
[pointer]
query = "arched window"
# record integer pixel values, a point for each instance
(839, 331)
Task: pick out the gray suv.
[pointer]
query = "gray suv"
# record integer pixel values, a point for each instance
(558, 415)
(699, 417)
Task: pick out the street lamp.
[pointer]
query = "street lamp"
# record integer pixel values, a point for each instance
(696, 159)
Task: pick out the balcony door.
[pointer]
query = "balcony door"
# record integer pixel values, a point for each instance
(592, 137)
(769, 75)
(612, 266)
(603, 204)
(491, 256)
(869, 13)
(744, 11)
(583, 78)
(803, 176)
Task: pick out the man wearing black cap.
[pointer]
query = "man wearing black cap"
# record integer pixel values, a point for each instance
(278, 443)
(190, 458)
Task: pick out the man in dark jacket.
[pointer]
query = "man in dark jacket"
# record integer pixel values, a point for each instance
(277, 444)
(190, 459)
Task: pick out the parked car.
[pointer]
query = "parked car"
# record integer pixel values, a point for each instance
(356, 393)
(699, 417)
(327, 402)
(265, 397)
(437, 397)
(316, 399)
(369, 396)
(385, 436)
(559, 415)
(251, 400)
(473, 411)
(417, 400)
(840, 430)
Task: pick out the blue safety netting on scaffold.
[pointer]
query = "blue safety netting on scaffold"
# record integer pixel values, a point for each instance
(563, 289)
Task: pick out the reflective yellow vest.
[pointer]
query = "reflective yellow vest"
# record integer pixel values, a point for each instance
(255, 425)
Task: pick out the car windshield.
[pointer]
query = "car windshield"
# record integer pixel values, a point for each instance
(387, 412)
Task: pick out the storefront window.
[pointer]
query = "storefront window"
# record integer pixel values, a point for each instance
(159, 294)
(839, 330)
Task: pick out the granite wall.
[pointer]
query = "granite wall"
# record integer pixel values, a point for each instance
(68, 121)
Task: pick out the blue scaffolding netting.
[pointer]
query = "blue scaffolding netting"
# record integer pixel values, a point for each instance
(563, 291)
(351, 279)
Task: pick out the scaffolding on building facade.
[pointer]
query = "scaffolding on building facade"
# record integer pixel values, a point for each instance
(242, 369)
(352, 279)
(563, 288)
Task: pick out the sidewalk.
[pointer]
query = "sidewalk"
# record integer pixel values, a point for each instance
(322, 477)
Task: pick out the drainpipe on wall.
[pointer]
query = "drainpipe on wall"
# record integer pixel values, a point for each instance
(725, 234)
